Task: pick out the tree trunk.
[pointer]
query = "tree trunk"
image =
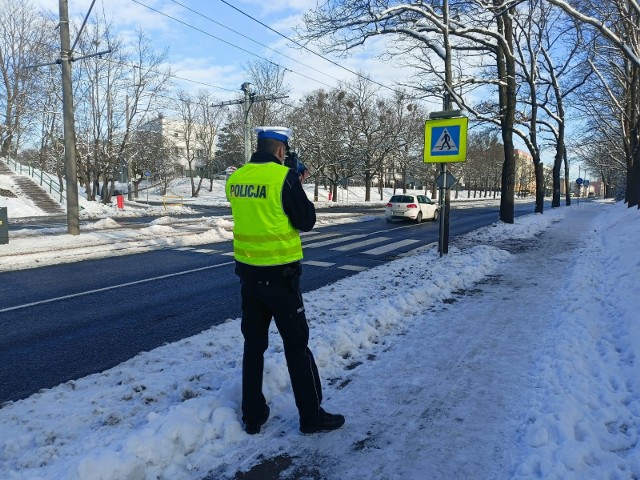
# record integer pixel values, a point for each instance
(367, 188)
(557, 163)
(539, 169)
(633, 171)
(507, 98)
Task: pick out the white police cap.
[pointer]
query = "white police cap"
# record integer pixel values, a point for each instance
(278, 133)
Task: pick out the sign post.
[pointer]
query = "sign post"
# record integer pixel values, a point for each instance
(579, 182)
(147, 174)
(445, 140)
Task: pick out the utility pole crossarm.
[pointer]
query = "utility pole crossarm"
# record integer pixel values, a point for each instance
(255, 98)
(248, 100)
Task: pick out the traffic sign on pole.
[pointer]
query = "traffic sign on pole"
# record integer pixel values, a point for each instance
(446, 180)
(445, 140)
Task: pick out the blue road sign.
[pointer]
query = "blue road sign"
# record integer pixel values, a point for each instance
(446, 140)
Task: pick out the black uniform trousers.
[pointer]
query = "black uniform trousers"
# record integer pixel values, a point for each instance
(281, 300)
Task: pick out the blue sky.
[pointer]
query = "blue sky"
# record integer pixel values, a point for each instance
(211, 42)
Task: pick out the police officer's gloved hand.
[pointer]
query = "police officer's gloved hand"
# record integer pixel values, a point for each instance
(303, 172)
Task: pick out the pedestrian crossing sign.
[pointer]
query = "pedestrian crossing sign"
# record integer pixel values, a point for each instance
(445, 140)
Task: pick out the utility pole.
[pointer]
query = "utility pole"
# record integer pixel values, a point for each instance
(127, 160)
(247, 102)
(246, 107)
(445, 194)
(70, 168)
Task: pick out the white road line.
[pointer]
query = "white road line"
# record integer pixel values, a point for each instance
(182, 249)
(318, 264)
(364, 243)
(316, 236)
(331, 242)
(207, 250)
(354, 268)
(106, 289)
(390, 246)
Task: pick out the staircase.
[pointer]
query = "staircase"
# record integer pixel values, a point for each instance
(33, 191)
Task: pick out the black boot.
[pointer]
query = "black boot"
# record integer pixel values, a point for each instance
(325, 422)
(254, 427)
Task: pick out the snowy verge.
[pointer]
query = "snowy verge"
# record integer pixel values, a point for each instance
(585, 420)
(157, 411)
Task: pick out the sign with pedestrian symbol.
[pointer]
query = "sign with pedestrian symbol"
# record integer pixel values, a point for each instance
(445, 140)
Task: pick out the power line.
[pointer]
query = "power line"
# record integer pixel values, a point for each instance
(305, 47)
(177, 77)
(227, 43)
(253, 40)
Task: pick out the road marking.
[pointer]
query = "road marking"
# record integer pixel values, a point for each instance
(353, 268)
(335, 240)
(389, 247)
(183, 249)
(113, 287)
(317, 236)
(364, 243)
(318, 264)
(207, 250)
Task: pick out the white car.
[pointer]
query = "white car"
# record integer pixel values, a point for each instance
(413, 207)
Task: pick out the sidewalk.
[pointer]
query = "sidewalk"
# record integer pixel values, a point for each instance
(464, 376)
(512, 357)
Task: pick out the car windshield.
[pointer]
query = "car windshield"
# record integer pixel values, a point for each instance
(402, 199)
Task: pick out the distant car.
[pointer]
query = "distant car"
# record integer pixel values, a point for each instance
(413, 207)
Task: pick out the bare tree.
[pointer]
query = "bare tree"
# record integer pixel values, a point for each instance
(268, 78)
(25, 41)
(618, 23)
(318, 133)
(564, 70)
(154, 153)
(187, 132)
(209, 121)
(116, 94)
(479, 27)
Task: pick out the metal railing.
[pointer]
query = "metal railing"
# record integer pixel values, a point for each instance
(43, 178)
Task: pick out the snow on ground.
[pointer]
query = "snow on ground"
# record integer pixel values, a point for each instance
(514, 356)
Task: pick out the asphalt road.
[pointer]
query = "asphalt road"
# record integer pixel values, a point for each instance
(63, 322)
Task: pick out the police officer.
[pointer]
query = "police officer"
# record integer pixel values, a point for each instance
(269, 209)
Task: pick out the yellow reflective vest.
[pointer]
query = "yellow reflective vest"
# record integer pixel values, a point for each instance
(262, 233)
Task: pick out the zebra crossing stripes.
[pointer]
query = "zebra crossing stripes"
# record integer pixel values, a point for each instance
(353, 268)
(310, 236)
(332, 241)
(315, 263)
(364, 243)
(390, 246)
(350, 243)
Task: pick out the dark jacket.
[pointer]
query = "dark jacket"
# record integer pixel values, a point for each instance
(301, 213)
